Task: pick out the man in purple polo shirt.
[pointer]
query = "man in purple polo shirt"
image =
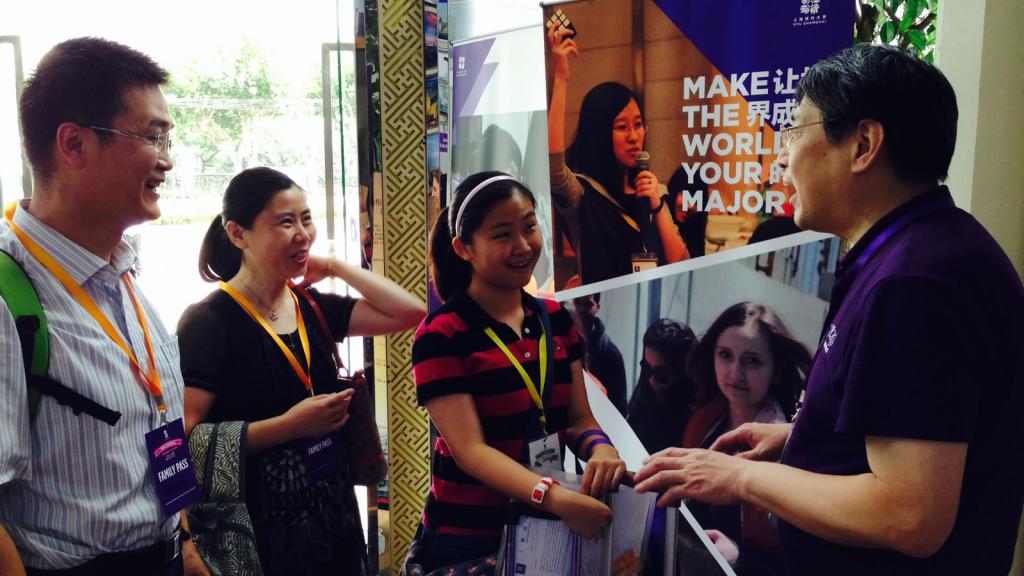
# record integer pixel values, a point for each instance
(908, 454)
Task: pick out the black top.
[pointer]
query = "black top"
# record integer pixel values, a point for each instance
(773, 227)
(607, 242)
(226, 352)
(923, 342)
(605, 362)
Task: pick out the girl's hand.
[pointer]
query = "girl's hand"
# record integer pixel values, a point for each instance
(584, 515)
(317, 268)
(647, 186)
(561, 48)
(319, 415)
(729, 550)
(604, 471)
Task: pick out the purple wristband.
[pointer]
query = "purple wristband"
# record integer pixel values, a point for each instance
(577, 446)
(601, 440)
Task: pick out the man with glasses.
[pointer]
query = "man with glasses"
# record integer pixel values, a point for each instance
(79, 493)
(908, 454)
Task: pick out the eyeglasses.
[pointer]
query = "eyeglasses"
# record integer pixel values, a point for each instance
(663, 374)
(789, 134)
(162, 142)
(626, 128)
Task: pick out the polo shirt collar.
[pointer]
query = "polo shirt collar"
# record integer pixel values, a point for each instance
(477, 318)
(938, 196)
(80, 263)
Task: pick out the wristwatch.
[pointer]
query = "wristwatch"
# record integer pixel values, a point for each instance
(541, 490)
(664, 200)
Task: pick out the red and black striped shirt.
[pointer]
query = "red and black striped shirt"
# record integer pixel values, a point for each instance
(453, 355)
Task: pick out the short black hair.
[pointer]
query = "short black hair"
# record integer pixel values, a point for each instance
(912, 99)
(81, 80)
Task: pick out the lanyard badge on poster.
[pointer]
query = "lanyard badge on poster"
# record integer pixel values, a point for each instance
(167, 448)
(546, 451)
(321, 452)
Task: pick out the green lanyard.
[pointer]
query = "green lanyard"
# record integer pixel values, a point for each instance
(535, 394)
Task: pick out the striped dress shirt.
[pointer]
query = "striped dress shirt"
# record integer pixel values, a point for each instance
(73, 487)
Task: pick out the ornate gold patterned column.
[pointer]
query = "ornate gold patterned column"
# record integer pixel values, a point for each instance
(404, 258)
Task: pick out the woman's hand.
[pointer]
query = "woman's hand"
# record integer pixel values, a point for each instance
(647, 186)
(584, 515)
(561, 48)
(319, 415)
(194, 565)
(317, 269)
(604, 471)
(729, 550)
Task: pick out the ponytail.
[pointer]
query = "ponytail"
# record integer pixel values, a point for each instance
(219, 259)
(448, 271)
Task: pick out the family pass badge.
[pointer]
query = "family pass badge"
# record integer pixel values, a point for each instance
(171, 464)
(644, 261)
(546, 452)
(321, 456)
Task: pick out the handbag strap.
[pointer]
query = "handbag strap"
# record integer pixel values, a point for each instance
(322, 320)
(211, 457)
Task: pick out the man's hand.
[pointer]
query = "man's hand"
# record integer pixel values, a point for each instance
(696, 474)
(754, 441)
(194, 565)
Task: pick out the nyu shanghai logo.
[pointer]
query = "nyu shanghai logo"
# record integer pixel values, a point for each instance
(811, 13)
(810, 6)
(830, 338)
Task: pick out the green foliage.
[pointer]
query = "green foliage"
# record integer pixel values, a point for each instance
(217, 100)
(909, 24)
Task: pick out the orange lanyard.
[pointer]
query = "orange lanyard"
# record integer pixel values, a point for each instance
(303, 375)
(150, 377)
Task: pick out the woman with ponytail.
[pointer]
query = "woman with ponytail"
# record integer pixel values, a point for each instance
(254, 351)
(499, 373)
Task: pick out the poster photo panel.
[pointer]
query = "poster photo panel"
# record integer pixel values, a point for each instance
(673, 362)
(663, 125)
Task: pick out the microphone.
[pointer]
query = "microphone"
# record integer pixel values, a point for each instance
(643, 162)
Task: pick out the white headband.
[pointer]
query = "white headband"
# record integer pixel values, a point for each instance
(469, 198)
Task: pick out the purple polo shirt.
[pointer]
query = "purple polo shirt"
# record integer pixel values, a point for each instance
(924, 339)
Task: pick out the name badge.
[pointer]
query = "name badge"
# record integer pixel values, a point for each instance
(546, 452)
(171, 466)
(644, 261)
(322, 456)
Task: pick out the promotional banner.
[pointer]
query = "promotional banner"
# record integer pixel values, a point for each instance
(663, 122)
(497, 116)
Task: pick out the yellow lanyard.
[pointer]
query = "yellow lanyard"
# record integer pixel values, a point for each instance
(150, 377)
(535, 394)
(304, 375)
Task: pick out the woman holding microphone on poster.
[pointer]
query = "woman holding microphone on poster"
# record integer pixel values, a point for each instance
(616, 208)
